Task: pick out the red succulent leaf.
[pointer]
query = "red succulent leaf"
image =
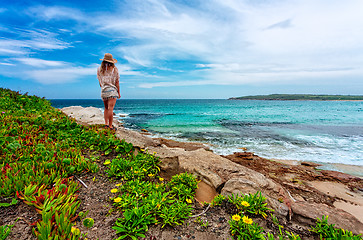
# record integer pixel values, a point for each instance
(19, 195)
(74, 218)
(5, 168)
(50, 191)
(34, 223)
(17, 172)
(41, 198)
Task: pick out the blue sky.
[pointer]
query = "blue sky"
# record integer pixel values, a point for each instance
(183, 48)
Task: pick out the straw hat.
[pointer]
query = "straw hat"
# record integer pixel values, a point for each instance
(108, 58)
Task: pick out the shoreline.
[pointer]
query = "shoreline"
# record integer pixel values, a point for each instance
(355, 170)
(293, 191)
(296, 100)
(90, 115)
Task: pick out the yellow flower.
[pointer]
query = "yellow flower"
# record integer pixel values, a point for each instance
(247, 220)
(156, 185)
(118, 184)
(244, 203)
(114, 190)
(236, 217)
(161, 179)
(107, 162)
(135, 172)
(75, 231)
(144, 170)
(116, 200)
(151, 175)
(141, 149)
(188, 200)
(158, 205)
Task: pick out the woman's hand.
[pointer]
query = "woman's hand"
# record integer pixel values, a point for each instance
(119, 96)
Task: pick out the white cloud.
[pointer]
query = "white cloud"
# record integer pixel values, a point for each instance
(10, 50)
(236, 42)
(27, 41)
(56, 13)
(57, 72)
(220, 76)
(60, 75)
(7, 64)
(40, 63)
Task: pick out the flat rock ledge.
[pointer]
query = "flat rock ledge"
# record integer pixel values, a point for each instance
(225, 176)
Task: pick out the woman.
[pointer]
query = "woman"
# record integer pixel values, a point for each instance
(108, 78)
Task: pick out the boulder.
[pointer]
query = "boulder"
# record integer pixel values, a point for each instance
(310, 164)
(308, 213)
(340, 176)
(242, 156)
(216, 171)
(242, 186)
(239, 186)
(88, 115)
(136, 138)
(209, 177)
(189, 146)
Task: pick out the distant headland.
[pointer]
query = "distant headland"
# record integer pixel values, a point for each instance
(300, 97)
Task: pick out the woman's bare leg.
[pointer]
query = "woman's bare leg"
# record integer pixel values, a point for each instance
(105, 113)
(111, 105)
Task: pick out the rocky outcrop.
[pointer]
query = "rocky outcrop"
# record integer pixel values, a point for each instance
(137, 139)
(305, 212)
(223, 174)
(339, 175)
(88, 115)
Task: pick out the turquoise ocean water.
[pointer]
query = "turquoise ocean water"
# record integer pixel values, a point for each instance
(320, 131)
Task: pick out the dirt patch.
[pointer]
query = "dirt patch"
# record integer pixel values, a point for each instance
(25, 214)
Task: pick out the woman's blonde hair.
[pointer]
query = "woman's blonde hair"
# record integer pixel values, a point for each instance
(105, 65)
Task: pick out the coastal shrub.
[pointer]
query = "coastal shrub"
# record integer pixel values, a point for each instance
(42, 148)
(148, 200)
(5, 230)
(141, 166)
(183, 185)
(217, 200)
(243, 228)
(328, 231)
(251, 203)
(135, 223)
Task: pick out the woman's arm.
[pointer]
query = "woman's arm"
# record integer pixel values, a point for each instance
(118, 83)
(118, 88)
(98, 76)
